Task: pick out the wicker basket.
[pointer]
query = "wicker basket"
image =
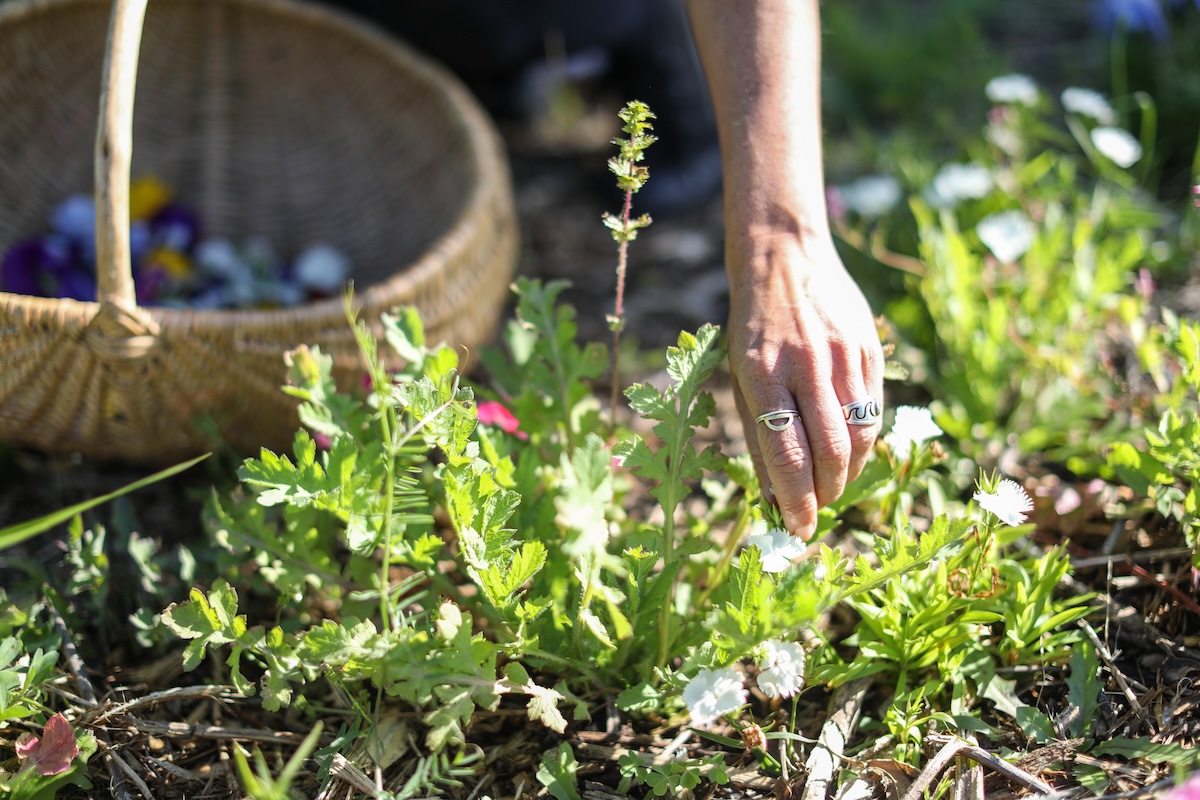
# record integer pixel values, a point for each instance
(270, 118)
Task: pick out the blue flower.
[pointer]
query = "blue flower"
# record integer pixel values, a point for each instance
(1130, 15)
(75, 218)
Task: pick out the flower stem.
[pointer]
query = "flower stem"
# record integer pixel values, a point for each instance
(619, 308)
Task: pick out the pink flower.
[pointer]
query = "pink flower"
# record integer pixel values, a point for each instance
(1186, 791)
(53, 752)
(496, 415)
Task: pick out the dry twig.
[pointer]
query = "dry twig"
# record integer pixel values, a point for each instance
(831, 744)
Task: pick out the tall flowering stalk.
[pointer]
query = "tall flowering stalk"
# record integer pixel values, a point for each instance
(631, 176)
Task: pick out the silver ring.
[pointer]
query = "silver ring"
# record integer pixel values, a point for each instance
(778, 420)
(862, 412)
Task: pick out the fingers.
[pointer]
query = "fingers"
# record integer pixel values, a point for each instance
(861, 380)
(807, 464)
(782, 461)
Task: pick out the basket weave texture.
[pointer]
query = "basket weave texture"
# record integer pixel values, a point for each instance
(269, 118)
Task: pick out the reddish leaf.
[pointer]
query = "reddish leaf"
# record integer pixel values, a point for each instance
(54, 751)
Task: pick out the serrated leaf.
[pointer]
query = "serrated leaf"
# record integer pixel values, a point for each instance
(334, 643)
(280, 481)
(586, 492)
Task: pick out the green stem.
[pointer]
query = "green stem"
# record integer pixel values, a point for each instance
(619, 308)
(669, 504)
(1147, 134)
(1120, 66)
(388, 423)
(585, 599)
(560, 374)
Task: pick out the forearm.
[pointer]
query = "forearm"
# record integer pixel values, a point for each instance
(762, 61)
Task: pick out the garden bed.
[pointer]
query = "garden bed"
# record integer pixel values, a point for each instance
(959, 656)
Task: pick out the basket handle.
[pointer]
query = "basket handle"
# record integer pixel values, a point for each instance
(114, 150)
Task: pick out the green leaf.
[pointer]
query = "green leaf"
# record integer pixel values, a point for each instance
(1141, 747)
(1136, 469)
(557, 773)
(210, 620)
(1083, 689)
(642, 697)
(587, 491)
(405, 333)
(15, 534)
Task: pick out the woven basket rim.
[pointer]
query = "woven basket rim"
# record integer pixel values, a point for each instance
(487, 176)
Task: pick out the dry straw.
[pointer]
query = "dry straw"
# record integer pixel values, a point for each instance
(270, 118)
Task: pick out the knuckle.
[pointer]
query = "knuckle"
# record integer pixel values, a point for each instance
(831, 450)
(786, 458)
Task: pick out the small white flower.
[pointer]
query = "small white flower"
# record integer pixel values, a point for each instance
(322, 269)
(781, 668)
(1088, 103)
(871, 196)
(1117, 145)
(778, 548)
(913, 425)
(1009, 502)
(1008, 234)
(1004, 137)
(1013, 88)
(713, 693)
(957, 182)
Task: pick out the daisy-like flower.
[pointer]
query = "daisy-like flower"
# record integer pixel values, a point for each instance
(778, 548)
(957, 182)
(781, 668)
(1117, 145)
(1012, 89)
(713, 693)
(1088, 103)
(913, 425)
(1008, 234)
(1009, 502)
(871, 195)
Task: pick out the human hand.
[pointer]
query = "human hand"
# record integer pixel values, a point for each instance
(801, 337)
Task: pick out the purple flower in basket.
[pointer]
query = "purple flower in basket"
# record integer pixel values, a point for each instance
(33, 266)
(1130, 15)
(139, 240)
(175, 227)
(77, 284)
(149, 284)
